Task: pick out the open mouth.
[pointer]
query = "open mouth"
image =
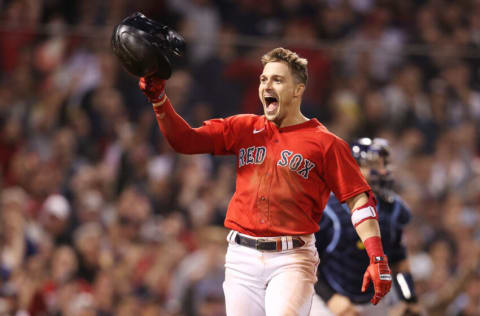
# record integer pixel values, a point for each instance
(271, 104)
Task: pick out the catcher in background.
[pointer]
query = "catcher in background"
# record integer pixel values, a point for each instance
(339, 290)
(287, 165)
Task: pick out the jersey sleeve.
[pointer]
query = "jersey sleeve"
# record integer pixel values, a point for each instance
(222, 135)
(214, 136)
(341, 172)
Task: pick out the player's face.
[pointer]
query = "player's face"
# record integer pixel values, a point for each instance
(276, 90)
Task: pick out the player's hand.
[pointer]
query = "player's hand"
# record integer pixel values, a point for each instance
(153, 88)
(379, 273)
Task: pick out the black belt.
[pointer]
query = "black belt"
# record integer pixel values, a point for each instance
(268, 245)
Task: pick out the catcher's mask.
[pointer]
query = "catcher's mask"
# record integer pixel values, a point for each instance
(145, 47)
(373, 156)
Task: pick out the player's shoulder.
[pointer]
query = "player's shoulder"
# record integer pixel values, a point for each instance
(242, 122)
(328, 139)
(245, 119)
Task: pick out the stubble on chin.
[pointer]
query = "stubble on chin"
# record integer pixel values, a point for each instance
(270, 117)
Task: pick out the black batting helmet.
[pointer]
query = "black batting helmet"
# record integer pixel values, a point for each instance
(146, 47)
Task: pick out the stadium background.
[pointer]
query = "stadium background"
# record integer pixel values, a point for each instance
(100, 217)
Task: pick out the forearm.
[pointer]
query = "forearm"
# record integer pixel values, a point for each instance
(368, 228)
(180, 135)
(365, 220)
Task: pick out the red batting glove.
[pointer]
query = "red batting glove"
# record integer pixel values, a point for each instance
(153, 88)
(379, 273)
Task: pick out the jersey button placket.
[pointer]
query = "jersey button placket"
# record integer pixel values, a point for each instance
(262, 201)
(262, 198)
(275, 150)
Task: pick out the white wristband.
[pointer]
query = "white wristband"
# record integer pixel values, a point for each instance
(359, 215)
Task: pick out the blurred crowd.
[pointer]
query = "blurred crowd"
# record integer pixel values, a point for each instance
(99, 217)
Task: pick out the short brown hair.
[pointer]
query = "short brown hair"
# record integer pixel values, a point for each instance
(297, 65)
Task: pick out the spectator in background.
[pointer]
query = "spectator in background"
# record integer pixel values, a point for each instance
(14, 241)
(406, 102)
(197, 283)
(201, 24)
(55, 218)
(63, 271)
(22, 18)
(464, 103)
(88, 243)
(375, 48)
(300, 34)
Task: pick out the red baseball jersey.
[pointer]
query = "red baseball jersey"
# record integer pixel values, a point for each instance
(284, 175)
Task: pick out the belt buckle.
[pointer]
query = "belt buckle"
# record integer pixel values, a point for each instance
(278, 244)
(258, 242)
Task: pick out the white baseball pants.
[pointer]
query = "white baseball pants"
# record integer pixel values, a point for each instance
(259, 283)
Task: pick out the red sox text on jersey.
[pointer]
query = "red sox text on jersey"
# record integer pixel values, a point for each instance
(294, 161)
(284, 175)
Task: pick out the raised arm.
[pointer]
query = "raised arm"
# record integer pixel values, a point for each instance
(365, 220)
(180, 135)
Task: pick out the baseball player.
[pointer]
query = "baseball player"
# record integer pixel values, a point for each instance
(287, 165)
(339, 290)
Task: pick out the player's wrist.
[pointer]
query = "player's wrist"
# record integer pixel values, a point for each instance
(374, 248)
(153, 88)
(158, 102)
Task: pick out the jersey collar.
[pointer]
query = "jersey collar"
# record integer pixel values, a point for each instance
(307, 124)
